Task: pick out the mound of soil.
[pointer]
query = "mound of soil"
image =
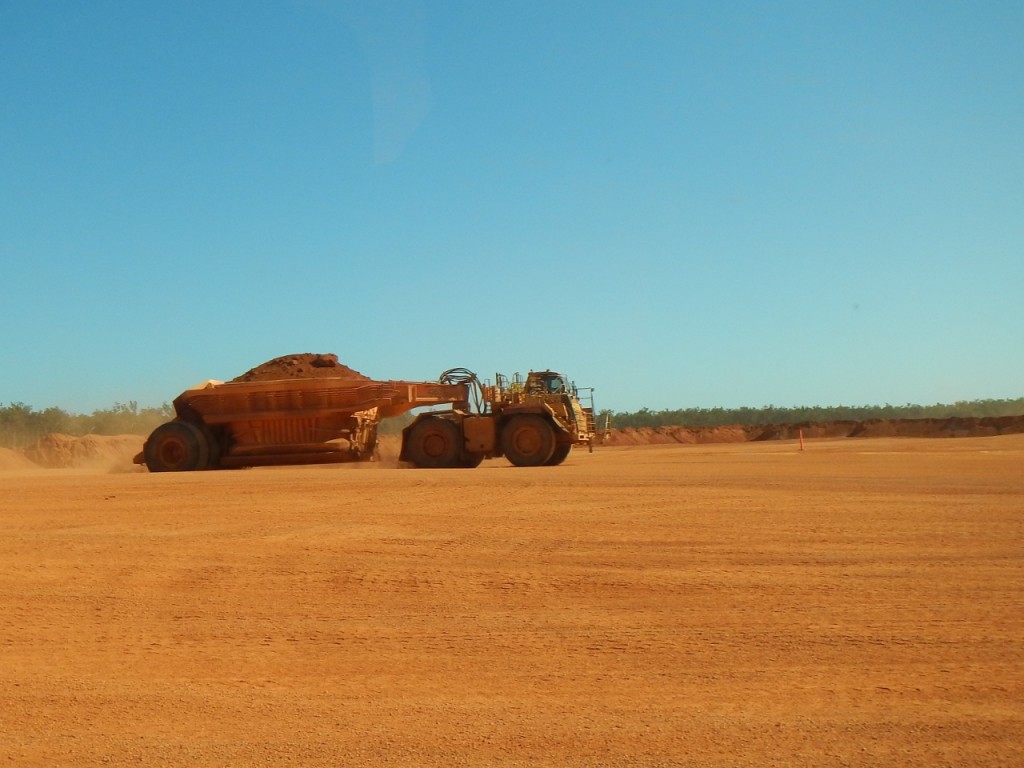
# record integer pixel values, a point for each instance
(951, 427)
(308, 365)
(56, 451)
(13, 460)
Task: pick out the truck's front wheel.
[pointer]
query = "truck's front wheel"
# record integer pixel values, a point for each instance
(560, 454)
(528, 441)
(434, 443)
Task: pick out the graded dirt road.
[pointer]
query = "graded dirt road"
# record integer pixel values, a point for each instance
(856, 604)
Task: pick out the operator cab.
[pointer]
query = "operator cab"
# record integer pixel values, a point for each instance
(546, 383)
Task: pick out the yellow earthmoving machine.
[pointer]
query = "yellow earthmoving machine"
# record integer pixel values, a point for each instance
(532, 422)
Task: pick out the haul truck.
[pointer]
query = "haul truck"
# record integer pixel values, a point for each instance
(532, 422)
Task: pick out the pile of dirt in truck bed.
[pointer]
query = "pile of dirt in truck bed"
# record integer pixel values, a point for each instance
(308, 365)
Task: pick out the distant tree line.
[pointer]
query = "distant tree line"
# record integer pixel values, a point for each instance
(770, 414)
(21, 425)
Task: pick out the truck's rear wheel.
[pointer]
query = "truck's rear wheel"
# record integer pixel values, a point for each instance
(560, 454)
(176, 446)
(214, 445)
(434, 443)
(528, 441)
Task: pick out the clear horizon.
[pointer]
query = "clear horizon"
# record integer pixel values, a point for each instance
(680, 204)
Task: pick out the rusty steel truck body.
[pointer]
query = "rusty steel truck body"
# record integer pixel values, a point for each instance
(533, 422)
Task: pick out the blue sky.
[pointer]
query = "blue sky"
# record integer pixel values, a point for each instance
(680, 204)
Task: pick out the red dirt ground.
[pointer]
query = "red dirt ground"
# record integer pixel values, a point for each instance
(741, 604)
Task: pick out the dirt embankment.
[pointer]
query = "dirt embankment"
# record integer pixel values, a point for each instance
(11, 459)
(739, 433)
(105, 452)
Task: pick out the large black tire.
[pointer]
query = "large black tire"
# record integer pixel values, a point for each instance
(561, 453)
(177, 446)
(528, 441)
(434, 443)
(472, 460)
(214, 446)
